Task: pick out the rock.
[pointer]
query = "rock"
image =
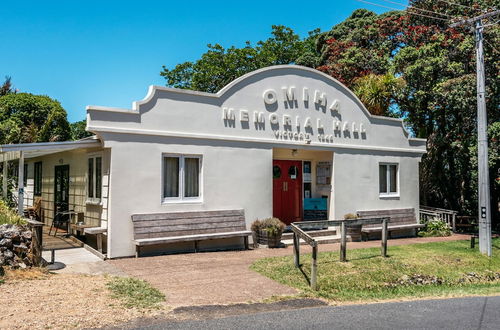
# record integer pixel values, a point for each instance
(20, 248)
(7, 242)
(26, 235)
(2, 271)
(8, 254)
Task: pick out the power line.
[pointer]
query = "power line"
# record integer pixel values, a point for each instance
(410, 12)
(416, 8)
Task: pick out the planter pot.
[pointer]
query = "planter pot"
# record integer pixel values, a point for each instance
(354, 232)
(272, 241)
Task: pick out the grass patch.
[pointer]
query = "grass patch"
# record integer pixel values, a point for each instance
(412, 271)
(135, 293)
(31, 273)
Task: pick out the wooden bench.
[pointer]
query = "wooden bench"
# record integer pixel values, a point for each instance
(163, 228)
(98, 231)
(402, 220)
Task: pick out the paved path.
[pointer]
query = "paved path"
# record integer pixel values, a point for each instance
(225, 277)
(459, 313)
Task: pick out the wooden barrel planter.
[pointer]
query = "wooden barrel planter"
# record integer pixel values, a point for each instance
(272, 241)
(354, 231)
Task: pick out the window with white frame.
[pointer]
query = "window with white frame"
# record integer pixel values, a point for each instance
(181, 177)
(388, 179)
(94, 178)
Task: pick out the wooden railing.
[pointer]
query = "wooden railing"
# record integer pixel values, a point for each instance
(428, 213)
(299, 233)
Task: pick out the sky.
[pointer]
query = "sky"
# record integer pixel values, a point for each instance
(109, 52)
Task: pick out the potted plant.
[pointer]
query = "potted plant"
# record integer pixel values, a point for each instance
(353, 230)
(268, 231)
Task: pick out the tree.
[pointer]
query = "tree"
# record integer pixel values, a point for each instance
(78, 130)
(438, 99)
(379, 92)
(26, 117)
(6, 87)
(219, 66)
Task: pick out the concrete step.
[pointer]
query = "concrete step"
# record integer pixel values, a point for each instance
(320, 239)
(331, 231)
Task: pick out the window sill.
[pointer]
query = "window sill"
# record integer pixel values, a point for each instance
(96, 202)
(181, 201)
(395, 196)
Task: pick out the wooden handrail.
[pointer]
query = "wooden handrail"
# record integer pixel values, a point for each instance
(299, 233)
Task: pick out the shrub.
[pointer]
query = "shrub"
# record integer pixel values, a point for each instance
(273, 226)
(350, 216)
(9, 216)
(435, 228)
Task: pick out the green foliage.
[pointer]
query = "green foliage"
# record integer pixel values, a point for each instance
(378, 92)
(435, 228)
(350, 216)
(78, 130)
(9, 216)
(446, 268)
(28, 118)
(135, 293)
(273, 226)
(219, 66)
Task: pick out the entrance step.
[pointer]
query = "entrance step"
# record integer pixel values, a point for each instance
(320, 239)
(331, 231)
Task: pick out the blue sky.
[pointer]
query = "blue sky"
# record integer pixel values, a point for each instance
(108, 52)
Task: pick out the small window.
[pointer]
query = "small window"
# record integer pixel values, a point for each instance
(94, 178)
(388, 179)
(37, 184)
(181, 177)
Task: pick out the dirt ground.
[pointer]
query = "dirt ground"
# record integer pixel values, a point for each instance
(67, 300)
(63, 301)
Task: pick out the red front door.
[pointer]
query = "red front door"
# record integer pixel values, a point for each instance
(287, 190)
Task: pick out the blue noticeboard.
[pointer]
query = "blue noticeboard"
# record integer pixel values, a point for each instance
(318, 204)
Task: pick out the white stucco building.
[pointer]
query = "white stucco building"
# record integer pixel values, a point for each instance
(287, 141)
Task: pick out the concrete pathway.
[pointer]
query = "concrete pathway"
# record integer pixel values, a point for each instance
(81, 261)
(225, 277)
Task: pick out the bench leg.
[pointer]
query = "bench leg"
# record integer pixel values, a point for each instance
(99, 242)
(195, 246)
(245, 240)
(137, 251)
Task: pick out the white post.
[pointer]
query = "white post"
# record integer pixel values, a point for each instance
(20, 185)
(482, 157)
(4, 180)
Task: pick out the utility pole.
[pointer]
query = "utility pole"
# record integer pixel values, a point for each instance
(482, 137)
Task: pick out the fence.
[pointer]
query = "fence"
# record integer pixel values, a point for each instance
(428, 213)
(299, 233)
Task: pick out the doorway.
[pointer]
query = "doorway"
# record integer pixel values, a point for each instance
(61, 188)
(287, 190)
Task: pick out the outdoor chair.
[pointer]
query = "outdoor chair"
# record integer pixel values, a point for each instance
(59, 220)
(34, 212)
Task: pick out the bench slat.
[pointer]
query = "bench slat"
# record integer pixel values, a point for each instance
(190, 226)
(181, 215)
(187, 232)
(163, 240)
(370, 213)
(392, 228)
(171, 222)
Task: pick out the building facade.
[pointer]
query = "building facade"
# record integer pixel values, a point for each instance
(284, 141)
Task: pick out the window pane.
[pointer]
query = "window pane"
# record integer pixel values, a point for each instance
(171, 177)
(393, 178)
(382, 173)
(25, 175)
(38, 179)
(98, 177)
(191, 177)
(90, 178)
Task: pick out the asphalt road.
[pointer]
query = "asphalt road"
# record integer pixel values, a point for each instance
(458, 313)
